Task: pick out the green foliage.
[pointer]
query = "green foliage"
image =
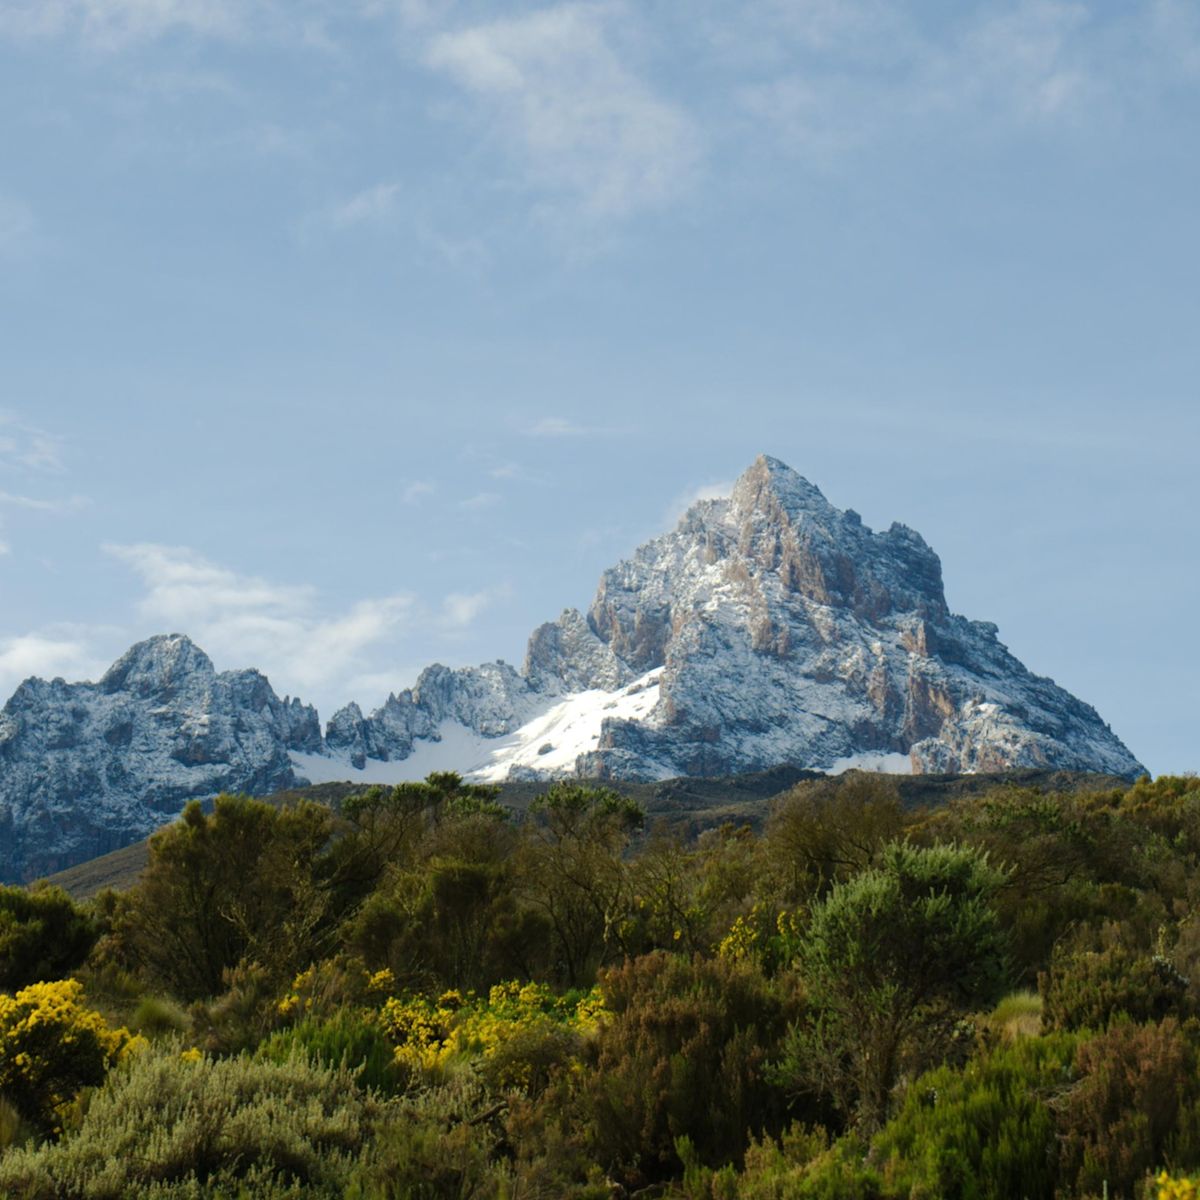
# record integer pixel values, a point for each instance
(984, 1130)
(574, 876)
(1089, 989)
(823, 832)
(891, 959)
(1123, 1117)
(166, 1126)
(681, 1053)
(346, 1039)
(242, 883)
(43, 935)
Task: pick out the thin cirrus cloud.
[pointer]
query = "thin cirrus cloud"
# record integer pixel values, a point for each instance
(372, 206)
(583, 128)
(114, 23)
(564, 427)
(26, 448)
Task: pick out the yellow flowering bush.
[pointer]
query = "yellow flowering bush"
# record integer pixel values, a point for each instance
(1170, 1188)
(51, 1047)
(509, 1032)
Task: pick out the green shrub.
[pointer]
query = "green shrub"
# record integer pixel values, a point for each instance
(440, 1144)
(347, 1039)
(43, 936)
(985, 1130)
(1090, 988)
(169, 1126)
(156, 1016)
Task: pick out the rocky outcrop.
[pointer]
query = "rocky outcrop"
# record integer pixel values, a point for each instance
(88, 767)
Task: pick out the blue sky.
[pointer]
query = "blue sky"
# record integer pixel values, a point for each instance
(347, 337)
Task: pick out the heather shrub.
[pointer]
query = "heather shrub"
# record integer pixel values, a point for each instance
(681, 1053)
(182, 1126)
(51, 1047)
(1089, 989)
(1137, 1084)
(442, 1143)
(157, 1016)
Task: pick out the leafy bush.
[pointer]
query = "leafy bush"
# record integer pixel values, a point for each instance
(1089, 989)
(171, 1127)
(43, 935)
(986, 1130)
(1118, 1122)
(51, 1047)
(347, 1039)
(681, 1054)
(892, 959)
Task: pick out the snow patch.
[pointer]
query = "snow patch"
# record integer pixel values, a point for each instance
(549, 742)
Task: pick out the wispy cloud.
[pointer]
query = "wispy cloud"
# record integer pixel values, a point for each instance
(584, 128)
(416, 491)
(66, 504)
(685, 500)
(479, 501)
(112, 23)
(461, 609)
(27, 447)
(372, 206)
(245, 620)
(564, 427)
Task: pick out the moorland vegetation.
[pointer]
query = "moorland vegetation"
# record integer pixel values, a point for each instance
(423, 995)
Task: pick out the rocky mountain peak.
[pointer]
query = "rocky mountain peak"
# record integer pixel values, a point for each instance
(159, 667)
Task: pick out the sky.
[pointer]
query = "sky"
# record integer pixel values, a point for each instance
(350, 336)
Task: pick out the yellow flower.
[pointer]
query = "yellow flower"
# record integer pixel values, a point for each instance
(191, 1055)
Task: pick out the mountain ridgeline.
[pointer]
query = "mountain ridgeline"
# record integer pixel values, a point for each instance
(767, 628)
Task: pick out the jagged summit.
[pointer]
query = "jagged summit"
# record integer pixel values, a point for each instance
(767, 628)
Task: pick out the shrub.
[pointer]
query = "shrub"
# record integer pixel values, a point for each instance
(1120, 1119)
(43, 936)
(681, 1054)
(347, 1039)
(891, 960)
(986, 1130)
(172, 1127)
(156, 1016)
(1089, 989)
(51, 1047)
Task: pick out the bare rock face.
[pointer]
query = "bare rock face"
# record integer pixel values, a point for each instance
(784, 631)
(88, 767)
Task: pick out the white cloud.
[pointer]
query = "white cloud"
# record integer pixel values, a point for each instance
(460, 609)
(244, 620)
(685, 500)
(479, 501)
(585, 128)
(65, 504)
(415, 490)
(370, 207)
(46, 655)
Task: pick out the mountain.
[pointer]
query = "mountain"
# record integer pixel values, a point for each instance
(768, 628)
(89, 767)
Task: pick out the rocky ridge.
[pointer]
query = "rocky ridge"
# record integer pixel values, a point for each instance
(89, 767)
(767, 628)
